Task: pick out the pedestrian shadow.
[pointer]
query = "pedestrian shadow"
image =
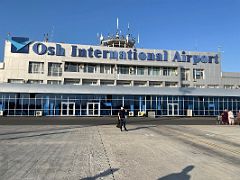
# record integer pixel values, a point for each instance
(183, 175)
(142, 127)
(102, 174)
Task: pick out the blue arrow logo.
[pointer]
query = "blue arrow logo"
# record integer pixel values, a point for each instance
(19, 44)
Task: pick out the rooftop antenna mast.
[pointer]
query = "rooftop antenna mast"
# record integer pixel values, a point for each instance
(219, 49)
(117, 24)
(196, 44)
(128, 34)
(45, 37)
(117, 35)
(98, 36)
(52, 33)
(8, 35)
(101, 38)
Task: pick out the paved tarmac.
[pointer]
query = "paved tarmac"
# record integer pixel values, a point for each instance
(22, 120)
(93, 148)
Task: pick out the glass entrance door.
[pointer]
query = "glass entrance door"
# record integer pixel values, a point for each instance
(68, 109)
(93, 109)
(173, 109)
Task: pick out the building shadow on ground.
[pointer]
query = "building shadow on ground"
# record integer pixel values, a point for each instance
(183, 175)
(44, 130)
(34, 135)
(101, 175)
(98, 121)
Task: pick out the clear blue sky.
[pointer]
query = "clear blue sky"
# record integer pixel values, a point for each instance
(162, 24)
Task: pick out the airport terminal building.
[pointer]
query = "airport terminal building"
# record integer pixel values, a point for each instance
(60, 79)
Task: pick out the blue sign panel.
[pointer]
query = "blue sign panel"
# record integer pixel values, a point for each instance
(19, 44)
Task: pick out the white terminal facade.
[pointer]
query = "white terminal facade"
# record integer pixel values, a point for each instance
(59, 79)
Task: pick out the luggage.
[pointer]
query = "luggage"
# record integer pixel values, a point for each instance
(118, 123)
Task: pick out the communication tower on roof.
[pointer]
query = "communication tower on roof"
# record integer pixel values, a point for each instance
(118, 40)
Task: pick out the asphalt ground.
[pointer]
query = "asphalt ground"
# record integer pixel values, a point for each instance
(21, 120)
(92, 148)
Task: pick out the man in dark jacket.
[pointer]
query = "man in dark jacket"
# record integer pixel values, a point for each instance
(121, 116)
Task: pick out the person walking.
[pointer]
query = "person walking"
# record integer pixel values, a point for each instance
(230, 118)
(121, 116)
(225, 116)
